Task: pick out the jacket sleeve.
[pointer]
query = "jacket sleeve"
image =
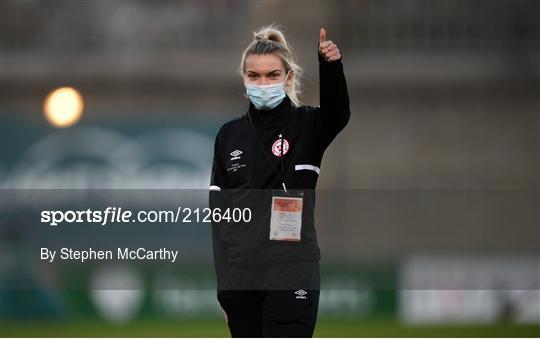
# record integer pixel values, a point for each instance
(218, 198)
(334, 112)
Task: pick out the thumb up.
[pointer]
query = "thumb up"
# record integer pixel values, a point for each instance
(327, 48)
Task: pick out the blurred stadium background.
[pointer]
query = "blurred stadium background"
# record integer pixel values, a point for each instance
(436, 177)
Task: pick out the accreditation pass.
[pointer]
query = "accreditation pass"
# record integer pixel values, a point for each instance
(286, 218)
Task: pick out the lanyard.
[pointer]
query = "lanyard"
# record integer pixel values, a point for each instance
(281, 174)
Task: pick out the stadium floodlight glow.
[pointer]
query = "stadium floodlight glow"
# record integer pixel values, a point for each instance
(63, 107)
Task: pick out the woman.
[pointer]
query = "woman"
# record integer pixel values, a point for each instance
(268, 160)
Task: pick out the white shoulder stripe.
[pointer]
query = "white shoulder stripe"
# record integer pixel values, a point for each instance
(214, 188)
(307, 167)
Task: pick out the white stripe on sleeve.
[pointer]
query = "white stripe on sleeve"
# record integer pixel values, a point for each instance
(307, 167)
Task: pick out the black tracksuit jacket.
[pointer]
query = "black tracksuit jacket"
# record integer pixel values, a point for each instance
(246, 179)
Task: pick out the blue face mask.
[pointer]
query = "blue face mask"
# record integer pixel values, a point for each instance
(266, 96)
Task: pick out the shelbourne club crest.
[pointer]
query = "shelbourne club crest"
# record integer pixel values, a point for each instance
(276, 147)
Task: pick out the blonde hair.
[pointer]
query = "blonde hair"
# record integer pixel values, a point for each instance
(270, 40)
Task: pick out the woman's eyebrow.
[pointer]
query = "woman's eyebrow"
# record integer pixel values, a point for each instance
(273, 71)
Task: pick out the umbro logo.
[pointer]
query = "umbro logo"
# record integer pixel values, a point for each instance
(300, 294)
(236, 154)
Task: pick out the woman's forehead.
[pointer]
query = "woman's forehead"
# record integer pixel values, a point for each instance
(263, 63)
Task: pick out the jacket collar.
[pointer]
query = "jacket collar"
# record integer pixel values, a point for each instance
(275, 114)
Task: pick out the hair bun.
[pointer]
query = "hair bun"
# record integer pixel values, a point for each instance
(272, 33)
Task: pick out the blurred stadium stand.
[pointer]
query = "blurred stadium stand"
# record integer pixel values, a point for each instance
(443, 94)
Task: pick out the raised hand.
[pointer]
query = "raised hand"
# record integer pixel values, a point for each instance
(327, 48)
